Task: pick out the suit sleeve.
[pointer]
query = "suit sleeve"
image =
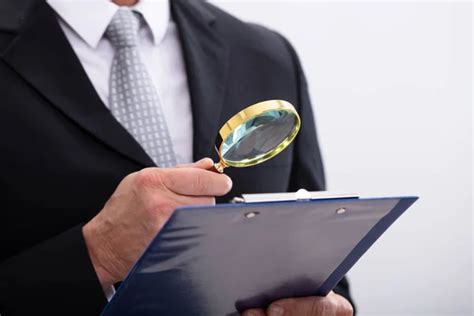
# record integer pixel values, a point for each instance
(55, 277)
(307, 169)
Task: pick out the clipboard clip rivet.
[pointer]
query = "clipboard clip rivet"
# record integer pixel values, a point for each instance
(340, 211)
(251, 214)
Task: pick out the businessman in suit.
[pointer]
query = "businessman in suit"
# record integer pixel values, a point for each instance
(104, 106)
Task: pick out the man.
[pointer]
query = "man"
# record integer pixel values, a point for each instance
(94, 96)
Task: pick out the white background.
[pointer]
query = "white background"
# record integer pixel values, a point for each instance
(391, 89)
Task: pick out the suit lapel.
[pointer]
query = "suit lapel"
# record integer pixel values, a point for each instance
(42, 55)
(206, 58)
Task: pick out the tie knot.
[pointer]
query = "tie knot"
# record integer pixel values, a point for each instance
(123, 29)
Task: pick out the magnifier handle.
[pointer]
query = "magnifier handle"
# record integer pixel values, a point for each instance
(218, 167)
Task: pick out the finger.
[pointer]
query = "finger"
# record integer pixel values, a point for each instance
(204, 163)
(305, 306)
(175, 201)
(183, 200)
(196, 182)
(344, 307)
(254, 312)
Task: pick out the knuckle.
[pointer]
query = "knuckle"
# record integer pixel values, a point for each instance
(159, 203)
(144, 178)
(148, 177)
(159, 207)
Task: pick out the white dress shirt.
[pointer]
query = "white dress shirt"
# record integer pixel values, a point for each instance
(84, 22)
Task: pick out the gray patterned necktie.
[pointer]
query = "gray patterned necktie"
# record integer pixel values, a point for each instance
(133, 98)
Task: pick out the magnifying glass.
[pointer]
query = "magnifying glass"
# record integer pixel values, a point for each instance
(256, 134)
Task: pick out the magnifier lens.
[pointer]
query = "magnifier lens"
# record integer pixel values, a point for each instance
(254, 139)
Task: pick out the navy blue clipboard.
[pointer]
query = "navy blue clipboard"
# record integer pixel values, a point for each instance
(224, 259)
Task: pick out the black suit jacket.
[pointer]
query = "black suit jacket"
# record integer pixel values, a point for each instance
(63, 153)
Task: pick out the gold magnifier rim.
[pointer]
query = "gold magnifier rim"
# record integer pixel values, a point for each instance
(250, 113)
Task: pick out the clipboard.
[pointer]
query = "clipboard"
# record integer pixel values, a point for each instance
(224, 259)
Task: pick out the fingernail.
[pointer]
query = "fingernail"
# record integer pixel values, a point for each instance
(229, 182)
(276, 310)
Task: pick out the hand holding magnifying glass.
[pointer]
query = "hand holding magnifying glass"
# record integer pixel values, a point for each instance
(256, 134)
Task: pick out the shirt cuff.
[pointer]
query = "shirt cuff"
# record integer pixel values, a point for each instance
(109, 292)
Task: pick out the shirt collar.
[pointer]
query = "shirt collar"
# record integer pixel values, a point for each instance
(90, 18)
